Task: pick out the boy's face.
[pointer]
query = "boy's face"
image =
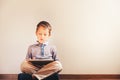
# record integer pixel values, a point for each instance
(42, 34)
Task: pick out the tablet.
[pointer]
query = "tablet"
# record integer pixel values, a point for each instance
(40, 62)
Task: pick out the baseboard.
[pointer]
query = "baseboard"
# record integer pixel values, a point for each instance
(8, 76)
(90, 76)
(70, 76)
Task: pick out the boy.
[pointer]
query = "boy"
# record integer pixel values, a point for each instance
(42, 50)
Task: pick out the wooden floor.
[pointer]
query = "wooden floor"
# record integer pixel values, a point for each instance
(73, 79)
(89, 79)
(69, 77)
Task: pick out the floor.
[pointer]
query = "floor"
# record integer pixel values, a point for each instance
(76, 79)
(89, 79)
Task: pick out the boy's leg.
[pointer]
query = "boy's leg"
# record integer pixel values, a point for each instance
(28, 67)
(48, 70)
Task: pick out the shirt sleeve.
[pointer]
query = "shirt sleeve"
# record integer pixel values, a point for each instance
(54, 53)
(29, 53)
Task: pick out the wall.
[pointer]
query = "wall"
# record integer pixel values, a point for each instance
(86, 33)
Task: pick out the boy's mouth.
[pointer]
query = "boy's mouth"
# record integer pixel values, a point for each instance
(41, 39)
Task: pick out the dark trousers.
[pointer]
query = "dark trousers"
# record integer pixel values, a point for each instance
(24, 76)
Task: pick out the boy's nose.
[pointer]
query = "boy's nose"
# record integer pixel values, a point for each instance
(42, 36)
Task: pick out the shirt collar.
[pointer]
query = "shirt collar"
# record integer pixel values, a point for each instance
(46, 43)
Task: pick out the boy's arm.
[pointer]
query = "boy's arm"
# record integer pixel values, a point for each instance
(54, 54)
(29, 54)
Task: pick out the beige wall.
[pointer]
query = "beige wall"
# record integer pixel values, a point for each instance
(86, 33)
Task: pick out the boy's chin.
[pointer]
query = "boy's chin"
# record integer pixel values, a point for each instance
(41, 41)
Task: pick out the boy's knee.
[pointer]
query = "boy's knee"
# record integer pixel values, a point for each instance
(24, 66)
(27, 67)
(58, 65)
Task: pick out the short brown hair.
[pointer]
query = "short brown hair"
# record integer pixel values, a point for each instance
(44, 24)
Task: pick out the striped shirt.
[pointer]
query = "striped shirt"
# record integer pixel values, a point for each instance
(34, 52)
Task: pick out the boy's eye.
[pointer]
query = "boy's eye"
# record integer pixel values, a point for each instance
(45, 34)
(40, 34)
